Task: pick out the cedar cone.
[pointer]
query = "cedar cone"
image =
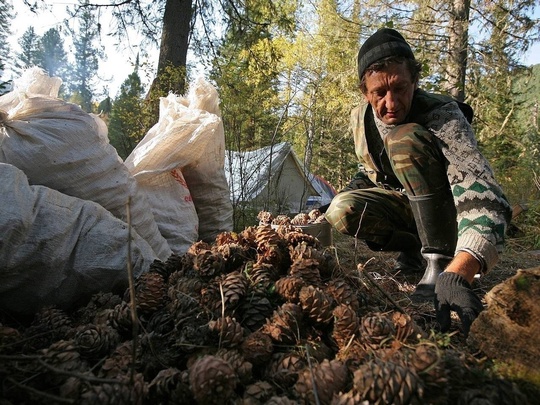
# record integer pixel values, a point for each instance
(295, 237)
(316, 305)
(150, 292)
(212, 380)
(261, 274)
(385, 382)
(120, 318)
(169, 386)
(285, 324)
(62, 355)
(240, 365)
(281, 220)
(255, 308)
(307, 270)
(208, 264)
(284, 368)
(96, 340)
(300, 219)
(257, 348)
(234, 255)
(289, 288)
(234, 286)
(258, 393)
(228, 330)
(341, 291)
(126, 391)
(265, 217)
(325, 379)
(345, 325)
(377, 329)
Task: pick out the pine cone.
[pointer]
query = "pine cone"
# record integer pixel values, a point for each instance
(300, 219)
(126, 391)
(385, 382)
(326, 379)
(280, 400)
(161, 268)
(307, 270)
(281, 220)
(120, 361)
(316, 305)
(296, 237)
(265, 217)
(150, 292)
(49, 325)
(228, 330)
(255, 308)
(346, 324)
(212, 380)
(240, 365)
(314, 215)
(234, 286)
(353, 353)
(343, 293)
(289, 288)
(285, 324)
(169, 386)
(261, 274)
(191, 286)
(258, 392)
(227, 238)
(234, 255)
(121, 319)
(96, 340)
(62, 355)
(208, 264)
(377, 329)
(257, 348)
(348, 398)
(284, 368)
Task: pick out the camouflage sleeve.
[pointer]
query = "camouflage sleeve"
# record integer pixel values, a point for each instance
(359, 181)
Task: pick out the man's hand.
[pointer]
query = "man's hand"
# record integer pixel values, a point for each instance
(454, 293)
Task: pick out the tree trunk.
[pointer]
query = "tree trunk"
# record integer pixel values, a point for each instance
(171, 70)
(457, 47)
(175, 37)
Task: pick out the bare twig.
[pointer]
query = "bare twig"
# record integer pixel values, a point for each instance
(134, 318)
(362, 269)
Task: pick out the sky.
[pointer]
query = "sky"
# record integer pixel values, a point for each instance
(112, 71)
(119, 63)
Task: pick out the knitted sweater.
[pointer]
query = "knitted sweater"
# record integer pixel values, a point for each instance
(483, 211)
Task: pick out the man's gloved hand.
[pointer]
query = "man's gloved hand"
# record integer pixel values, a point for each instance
(454, 293)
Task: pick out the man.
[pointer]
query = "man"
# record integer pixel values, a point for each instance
(425, 189)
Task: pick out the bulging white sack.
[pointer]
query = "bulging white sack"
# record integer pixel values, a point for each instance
(180, 137)
(58, 145)
(59, 250)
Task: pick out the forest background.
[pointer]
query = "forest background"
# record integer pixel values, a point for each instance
(286, 71)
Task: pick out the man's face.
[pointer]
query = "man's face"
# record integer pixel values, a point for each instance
(390, 93)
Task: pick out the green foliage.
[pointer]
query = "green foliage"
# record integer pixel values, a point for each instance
(87, 54)
(29, 43)
(127, 124)
(6, 15)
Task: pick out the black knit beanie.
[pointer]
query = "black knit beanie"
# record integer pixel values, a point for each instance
(385, 42)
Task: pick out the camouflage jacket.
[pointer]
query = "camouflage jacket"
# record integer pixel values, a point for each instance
(483, 211)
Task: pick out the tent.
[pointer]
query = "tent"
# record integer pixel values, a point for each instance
(273, 179)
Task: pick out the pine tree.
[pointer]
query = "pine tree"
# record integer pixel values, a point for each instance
(29, 43)
(126, 122)
(51, 54)
(87, 55)
(5, 17)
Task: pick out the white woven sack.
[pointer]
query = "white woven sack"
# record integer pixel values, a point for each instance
(60, 146)
(59, 250)
(205, 177)
(179, 138)
(172, 207)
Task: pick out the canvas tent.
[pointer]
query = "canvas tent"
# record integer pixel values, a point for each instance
(272, 178)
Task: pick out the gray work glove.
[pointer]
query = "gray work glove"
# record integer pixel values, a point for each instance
(454, 293)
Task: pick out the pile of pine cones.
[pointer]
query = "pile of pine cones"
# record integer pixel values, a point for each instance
(264, 316)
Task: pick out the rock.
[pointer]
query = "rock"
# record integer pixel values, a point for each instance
(509, 329)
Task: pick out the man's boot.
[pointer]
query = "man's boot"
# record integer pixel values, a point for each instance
(410, 259)
(435, 216)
